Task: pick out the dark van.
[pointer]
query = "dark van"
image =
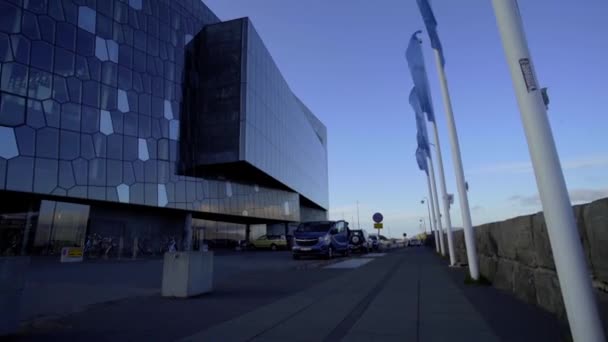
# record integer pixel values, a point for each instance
(323, 238)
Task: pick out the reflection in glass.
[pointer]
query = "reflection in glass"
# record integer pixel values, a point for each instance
(8, 143)
(105, 123)
(123, 193)
(123, 102)
(86, 19)
(143, 150)
(12, 110)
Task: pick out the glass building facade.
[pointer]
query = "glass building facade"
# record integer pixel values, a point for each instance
(120, 118)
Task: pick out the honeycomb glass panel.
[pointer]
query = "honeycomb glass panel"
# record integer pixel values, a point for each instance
(12, 110)
(87, 18)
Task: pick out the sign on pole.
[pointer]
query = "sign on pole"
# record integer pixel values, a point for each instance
(377, 217)
(378, 225)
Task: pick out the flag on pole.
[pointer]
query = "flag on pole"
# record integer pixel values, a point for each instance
(422, 133)
(415, 61)
(421, 156)
(431, 26)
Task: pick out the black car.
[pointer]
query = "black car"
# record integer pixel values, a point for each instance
(360, 241)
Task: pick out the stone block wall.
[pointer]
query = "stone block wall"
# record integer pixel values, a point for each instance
(515, 255)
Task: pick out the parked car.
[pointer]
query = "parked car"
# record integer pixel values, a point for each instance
(360, 241)
(375, 242)
(323, 238)
(272, 242)
(415, 242)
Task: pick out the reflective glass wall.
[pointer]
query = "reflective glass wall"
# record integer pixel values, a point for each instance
(90, 107)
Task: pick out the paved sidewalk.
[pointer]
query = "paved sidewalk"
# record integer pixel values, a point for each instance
(405, 295)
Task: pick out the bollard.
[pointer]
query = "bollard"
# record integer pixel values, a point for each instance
(135, 247)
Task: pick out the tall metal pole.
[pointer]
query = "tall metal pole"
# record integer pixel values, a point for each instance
(436, 207)
(432, 213)
(469, 237)
(358, 221)
(572, 271)
(444, 195)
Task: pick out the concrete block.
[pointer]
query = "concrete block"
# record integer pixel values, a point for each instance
(503, 279)
(548, 293)
(596, 226)
(187, 274)
(523, 283)
(542, 245)
(486, 245)
(12, 282)
(488, 266)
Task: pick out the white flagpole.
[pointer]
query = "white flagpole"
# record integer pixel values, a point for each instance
(572, 271)
(436, 207)
(469, 237)
(428, 206)
(444, 194)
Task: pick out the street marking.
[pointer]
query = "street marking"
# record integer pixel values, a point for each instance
(375, 255)
(351, 263)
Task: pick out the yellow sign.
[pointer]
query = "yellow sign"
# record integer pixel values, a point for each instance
(75, 252)
(378, 226)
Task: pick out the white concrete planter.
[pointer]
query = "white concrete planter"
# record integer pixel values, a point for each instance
(187, 274)
(12, 282)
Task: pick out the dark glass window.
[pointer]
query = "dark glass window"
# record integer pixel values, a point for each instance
(47, 28)
(82, 68)
(70, 116)
(12, 110)
(100, 144)
(121, 12)
(64, 62)
(14, 78)
(138, 168)
(52, 113)
(66, 175)
(97, 172)
(109, 74)
(125, 79)
(30, 26)
(163, 149)
(21, 49)
(47, 143)
(130, 149)
(87, 150)
(86, 18)
(94, 68)
(69, 145)
(115, 144)
(130, 124)
(86, 43)
(10, 18)
(20, 174)
(140, 40)
(144, 104)
(144, 123)
(60, 89)
(151, 194)
(45, 176)
(66, 36)
(139, 61)
(75, 89)
(6, 52)
(81, 171)
(35, 114)
(114, 172)
(40, 84)
(55, 10)
(108, 97)
(117, 121)
(104, 26)
(90, 93)
(128, 177)
(150, 171)
(26, 140)
(90, 119)
(42, 55)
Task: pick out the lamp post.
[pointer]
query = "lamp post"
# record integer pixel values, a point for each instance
(434, 231)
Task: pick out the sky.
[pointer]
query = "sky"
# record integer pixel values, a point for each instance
(345, 60)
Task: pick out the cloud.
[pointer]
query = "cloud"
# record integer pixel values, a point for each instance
(576, 196)
(526, 167)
